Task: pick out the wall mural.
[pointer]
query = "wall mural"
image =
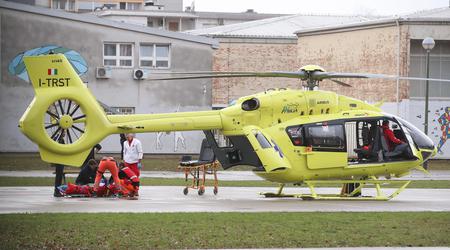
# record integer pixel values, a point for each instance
(179, 140)
(443, 119)
(17, 66)
(438, 124)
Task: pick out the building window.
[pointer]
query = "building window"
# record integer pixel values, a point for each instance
(118, 54)
(120, 110)
(133, 6)
(122, 5)
(68, 5)
(439, 68)
(154, 55)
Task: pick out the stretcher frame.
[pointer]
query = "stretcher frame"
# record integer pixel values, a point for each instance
(198, 174)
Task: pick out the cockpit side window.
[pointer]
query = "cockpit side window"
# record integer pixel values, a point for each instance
(263, 142)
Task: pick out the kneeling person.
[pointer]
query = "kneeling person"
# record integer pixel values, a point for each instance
(107, 163)
(88, 173)
(129, 180)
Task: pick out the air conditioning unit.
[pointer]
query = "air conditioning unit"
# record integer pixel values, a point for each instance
(103, 73)
(140, 74)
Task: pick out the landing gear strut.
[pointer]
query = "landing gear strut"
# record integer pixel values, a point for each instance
(351, 190)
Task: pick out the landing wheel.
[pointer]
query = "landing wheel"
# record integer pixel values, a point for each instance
(185, 191)
(201, 191)
(216, 190)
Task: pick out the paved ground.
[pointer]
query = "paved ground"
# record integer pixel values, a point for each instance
(223, 175)
(229, 199)
(364, 248)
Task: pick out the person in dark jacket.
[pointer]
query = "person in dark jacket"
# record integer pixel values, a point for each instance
(88, 173)
(91, 155)
(123, 138)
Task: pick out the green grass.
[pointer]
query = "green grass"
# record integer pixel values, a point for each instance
(223, 230)
(32, 161)
(49, 181)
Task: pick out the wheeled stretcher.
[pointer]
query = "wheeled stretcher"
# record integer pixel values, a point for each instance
(198, 169)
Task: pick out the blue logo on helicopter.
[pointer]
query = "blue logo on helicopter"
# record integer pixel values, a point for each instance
(278, 149)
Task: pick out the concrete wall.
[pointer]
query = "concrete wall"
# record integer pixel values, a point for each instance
(22, 31)
(252, 55)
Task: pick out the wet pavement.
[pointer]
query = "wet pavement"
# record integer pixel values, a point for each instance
(229, 199)
(222, 175)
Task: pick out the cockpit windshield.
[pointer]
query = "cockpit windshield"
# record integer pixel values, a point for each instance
(422, 140)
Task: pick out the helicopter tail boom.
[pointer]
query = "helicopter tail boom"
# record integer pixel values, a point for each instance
(65, 120)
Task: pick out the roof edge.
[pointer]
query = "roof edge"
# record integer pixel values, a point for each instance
(108, 23)
(371, 24)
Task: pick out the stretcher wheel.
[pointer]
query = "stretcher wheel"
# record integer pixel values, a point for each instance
(201, 191)
(216, 190)
(185, 191)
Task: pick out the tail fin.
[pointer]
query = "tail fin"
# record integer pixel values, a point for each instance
(64, 119)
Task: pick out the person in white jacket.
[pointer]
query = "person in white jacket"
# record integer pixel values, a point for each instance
(132, 154)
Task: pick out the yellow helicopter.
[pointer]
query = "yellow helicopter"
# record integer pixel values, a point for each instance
(288, 136)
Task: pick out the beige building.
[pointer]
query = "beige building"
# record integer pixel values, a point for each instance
(263, 45)
(386, 46)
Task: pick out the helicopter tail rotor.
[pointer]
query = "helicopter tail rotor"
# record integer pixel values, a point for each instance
(64, 118)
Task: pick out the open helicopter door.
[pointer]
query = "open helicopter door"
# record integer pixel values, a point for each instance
(326, 146)
(414, 151)
(270, 154)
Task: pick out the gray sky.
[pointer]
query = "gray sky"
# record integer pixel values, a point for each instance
(352, 7)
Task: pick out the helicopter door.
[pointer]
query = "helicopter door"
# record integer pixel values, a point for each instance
(267, 150)
(327, 146)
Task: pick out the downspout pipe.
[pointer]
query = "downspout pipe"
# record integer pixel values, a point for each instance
(397, 22)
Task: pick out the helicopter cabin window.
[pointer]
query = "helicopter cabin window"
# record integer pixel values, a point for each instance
(118, 54)
(296, 135)
(326, 137)
(263, 142)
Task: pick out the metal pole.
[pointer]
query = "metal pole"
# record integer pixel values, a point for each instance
(427, 89)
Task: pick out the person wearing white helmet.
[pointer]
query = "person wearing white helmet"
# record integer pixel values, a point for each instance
(132, 153)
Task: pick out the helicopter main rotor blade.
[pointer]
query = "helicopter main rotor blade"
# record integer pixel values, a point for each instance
(341, 83)
(332, 75)
(200, 75)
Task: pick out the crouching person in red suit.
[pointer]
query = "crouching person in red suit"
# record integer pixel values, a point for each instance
(107, 163)
(129, 181)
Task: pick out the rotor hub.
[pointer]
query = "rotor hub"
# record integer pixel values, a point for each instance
(66, 122)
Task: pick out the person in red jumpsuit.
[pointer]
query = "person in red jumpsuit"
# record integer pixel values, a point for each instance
(107, 163)
(129, 181)
(396, 146)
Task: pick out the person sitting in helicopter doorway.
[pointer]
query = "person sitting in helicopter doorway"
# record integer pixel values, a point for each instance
(132, 154)
(396, 146)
